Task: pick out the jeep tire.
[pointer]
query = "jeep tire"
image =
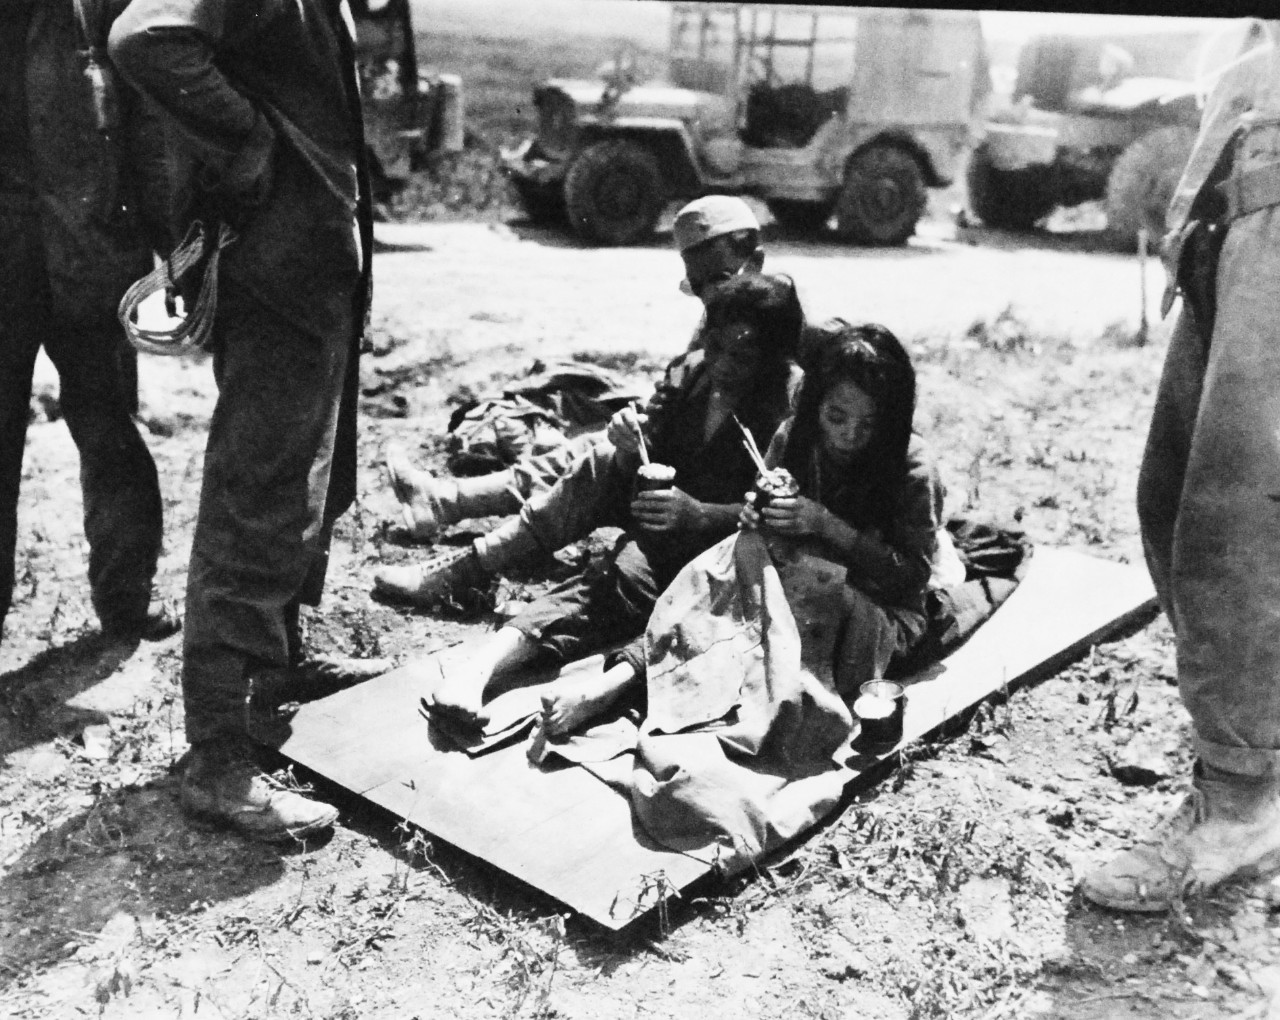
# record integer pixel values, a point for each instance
(800, 215)
(882, 198)
(1008, 199)
(1142, 182)
(614, 193)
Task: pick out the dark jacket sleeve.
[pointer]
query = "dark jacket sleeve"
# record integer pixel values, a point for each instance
(897, 565)
(150, 173)
(166, 49)
(631, 653)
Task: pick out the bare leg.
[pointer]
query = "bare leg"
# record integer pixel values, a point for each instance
(461, 694)
(571, 703)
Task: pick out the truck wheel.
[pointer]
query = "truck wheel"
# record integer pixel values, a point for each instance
(800, 215)
(1007, 199)
(614, 193)
(882, 198)
(1143, 180)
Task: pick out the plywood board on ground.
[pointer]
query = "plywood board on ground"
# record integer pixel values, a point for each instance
(568, 834)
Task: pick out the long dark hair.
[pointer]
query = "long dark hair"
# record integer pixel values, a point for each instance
(874, 360)
(770, 304)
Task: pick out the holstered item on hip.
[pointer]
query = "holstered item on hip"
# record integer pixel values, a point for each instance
(1200, 244)
(1245, 179)
(1198, 272)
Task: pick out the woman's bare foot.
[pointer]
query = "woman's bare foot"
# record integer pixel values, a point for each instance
(461, 699)
(569, 704)
(459, 693)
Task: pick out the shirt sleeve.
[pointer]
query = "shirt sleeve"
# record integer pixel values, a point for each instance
(166, 49)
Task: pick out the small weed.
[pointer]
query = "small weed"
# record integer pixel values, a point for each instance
(1007, 333)
(531, 949)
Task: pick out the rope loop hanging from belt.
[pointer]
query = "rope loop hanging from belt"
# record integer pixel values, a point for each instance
(194, 330)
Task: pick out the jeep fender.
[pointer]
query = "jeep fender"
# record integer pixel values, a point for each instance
(672, 144)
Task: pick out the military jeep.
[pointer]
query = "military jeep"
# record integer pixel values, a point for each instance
(1093, 118)
(820, 111)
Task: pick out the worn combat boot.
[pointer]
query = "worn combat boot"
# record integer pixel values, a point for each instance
(1227, 827)
(159, 621)
(429, 582)
(427, 503)
(221, 783)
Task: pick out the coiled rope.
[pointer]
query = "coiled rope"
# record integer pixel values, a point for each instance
(193, 331)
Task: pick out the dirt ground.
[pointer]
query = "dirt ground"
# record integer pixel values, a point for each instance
(947, 892)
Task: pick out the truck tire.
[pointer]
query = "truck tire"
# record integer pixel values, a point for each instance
(798, 214)
(614, 193)
(1007, 199)
(883, 196)
(1143, 180)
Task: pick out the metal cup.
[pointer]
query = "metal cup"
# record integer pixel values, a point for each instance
(651, 477)
(880, 708)
(777, 484)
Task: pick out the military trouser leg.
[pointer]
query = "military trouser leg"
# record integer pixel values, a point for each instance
(123, 512)
(122, 506)
(24, 298)
(262, 527)
(1211, 507)
(541, 473)
(595, 492)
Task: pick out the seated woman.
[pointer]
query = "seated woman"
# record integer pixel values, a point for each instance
(869, 499)
(746, 371)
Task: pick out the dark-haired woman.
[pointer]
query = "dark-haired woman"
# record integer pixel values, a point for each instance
(870, 498)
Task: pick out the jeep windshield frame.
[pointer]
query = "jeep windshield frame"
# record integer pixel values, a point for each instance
(704, 48)
(721, 48)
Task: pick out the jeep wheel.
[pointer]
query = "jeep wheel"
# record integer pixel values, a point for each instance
(800, 215)
(882, 198)
(614, 193)
(1007, 199)
(1143, 180)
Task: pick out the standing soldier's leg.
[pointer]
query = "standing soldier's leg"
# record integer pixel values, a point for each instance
(1221, 584)
(1226, 549)
(24, 310)
(1164, 461)
(258, 533)
(122, 506)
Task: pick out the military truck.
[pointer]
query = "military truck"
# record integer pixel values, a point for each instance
(409, 116)
(819, 111)
(1091, 118)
